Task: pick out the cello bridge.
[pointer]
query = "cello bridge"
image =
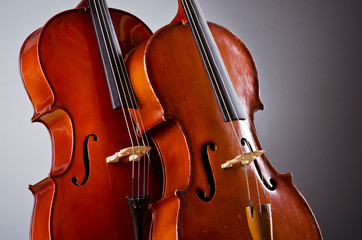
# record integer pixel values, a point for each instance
(130, 154)
(244, 159)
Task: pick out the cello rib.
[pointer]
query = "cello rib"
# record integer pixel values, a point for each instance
(213, 204)
(44, 195)
(63, 75)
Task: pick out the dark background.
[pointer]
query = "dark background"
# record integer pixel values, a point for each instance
(308, 56)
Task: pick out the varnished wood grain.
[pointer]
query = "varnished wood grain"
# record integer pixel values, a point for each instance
(63, 75)
(171, 65)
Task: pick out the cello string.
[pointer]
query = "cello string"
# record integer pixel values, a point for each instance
(107, 40)
(186, 4)
(187, 8)
(228, 95)
(211, 70)
(137, 116)
(145, 143)
(113, 73)
(126, 77)
(102, 31)
(208, 62)
(257, 186)
(195, 5)
(234, 109)
(139, 121)
(251, 123)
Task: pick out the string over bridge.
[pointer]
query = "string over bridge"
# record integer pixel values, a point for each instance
(133, 154)
(245, 159)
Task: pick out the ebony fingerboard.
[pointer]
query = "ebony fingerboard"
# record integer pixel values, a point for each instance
(222, 86)
(120, 88)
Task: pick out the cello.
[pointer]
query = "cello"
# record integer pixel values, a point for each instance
(65, 72)
(200, 83)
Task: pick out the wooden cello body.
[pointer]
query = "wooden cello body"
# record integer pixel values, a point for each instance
(83, 197)
(200, 198)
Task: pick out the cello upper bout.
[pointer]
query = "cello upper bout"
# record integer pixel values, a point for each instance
(35, 83)
(42, 96)
(149, 106)
(240, 66)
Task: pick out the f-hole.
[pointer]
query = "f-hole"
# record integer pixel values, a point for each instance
(86, 161)
(210, 177)
(273, 184)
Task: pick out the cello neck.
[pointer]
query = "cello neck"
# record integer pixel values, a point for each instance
(222, 86)
(119, 85)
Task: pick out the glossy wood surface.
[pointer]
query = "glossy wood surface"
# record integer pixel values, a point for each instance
(63, 75)
(179, 88)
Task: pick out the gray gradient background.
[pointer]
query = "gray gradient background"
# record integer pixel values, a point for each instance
(308, 55)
